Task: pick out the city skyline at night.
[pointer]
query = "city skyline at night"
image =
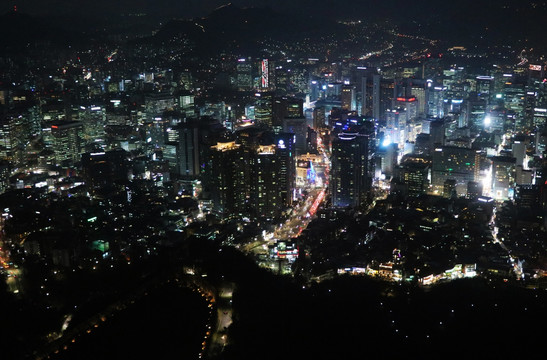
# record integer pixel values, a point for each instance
(272, 179)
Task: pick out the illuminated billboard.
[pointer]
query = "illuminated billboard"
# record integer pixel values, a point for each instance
(265, 74)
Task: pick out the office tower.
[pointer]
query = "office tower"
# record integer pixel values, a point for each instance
(266, 185)
(396, 123)
(528, 197)
(67, 141)
(387, 159)
(460, 164)
(523, 176)
(170, 153)
(503, 177)
(319, 118)
(285, 151)
(437, 133)
(298, 127)
(348, 98)
(186, 105)
(314, 90)
(350, 179)
(156, 103)
(12, 137)
(435, 101)
(414, 176)
(519, 150)
(229, 167)
(264, 108)
(476, 110)
(244, 75)
(423, 144)
(418, 91)
(93, 119)
(484, 86)
(105, 169)
(530, 101)
(376, 106)
(364, 97)
(188, 154)
(5, 171)
(286, 107)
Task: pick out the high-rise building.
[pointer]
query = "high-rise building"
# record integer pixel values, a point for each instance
(349, 98)
(67, 141)
(387, 159)
(460, 164)
(503, 177)
(264, 108)
(94, 121)
(319, 118)
(188, 158)
(12, 136)
(266, 185)
(4, 175)
(414, 175)
(298, 127)
(350, 179)
(474, 189)
(244, 75)
(229, 179)
(286, 153)
(485, 84)
(286, 107)
(435, 101)
(376, 97)
(104, 169)
(264, 74)
(519, 150)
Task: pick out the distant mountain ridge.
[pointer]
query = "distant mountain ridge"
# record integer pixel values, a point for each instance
(479, 22)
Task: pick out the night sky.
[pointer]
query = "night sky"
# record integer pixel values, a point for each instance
(179, 8)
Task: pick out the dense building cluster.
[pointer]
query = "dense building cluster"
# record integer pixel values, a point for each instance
(381, 153)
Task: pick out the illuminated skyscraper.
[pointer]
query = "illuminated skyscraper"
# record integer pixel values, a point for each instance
(264, 74)
(503, 177)
(350, 179)
(244, 76)
(266, 184)
(67, 141)
(229, 179)
(264, 108)
(348, 98)
(456, 163)
(286, 153)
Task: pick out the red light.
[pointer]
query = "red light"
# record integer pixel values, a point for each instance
(403, 99)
